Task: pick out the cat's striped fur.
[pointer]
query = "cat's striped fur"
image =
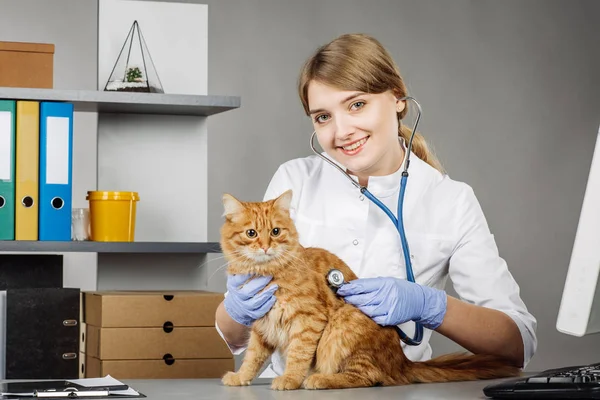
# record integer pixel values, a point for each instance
(326, 342)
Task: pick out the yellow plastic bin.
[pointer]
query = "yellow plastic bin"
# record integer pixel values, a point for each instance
(112, 215)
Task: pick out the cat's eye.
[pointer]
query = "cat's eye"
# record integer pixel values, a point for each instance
(275, 231)
(251, 233)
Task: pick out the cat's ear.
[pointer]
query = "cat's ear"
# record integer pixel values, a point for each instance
(231, 205)
(283, 202)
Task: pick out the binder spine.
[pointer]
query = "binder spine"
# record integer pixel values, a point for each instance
(27, 137)
(56, 158)
(7, 170)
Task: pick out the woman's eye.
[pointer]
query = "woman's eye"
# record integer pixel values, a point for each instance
(275, 232)
(357, 105)
(251, 233)
(321, 118)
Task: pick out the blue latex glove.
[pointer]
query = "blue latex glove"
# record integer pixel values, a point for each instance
(243, 303)
(392, 301)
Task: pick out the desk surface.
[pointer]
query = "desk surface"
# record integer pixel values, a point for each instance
(198, 389)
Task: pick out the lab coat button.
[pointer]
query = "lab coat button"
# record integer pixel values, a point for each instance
(361, 197)
(355, 242)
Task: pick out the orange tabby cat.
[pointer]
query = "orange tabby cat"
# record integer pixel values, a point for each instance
(327, 342)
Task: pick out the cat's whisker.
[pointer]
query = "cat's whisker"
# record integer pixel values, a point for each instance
(236, 259)
(209, 260)
(279, 261)
(291, 255)
(217, 270)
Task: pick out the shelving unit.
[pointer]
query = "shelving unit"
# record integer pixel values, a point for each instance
(122, 103)
(155, 144)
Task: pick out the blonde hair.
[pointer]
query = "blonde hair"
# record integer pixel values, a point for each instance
(359, 62)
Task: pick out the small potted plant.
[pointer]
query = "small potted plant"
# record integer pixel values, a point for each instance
(132, 81)
(134, 75)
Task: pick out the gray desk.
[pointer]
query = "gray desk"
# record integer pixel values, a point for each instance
(198, 389)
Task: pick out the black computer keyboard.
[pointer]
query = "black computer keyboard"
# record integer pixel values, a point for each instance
(576, 382)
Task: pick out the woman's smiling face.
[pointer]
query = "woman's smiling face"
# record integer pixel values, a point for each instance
(359, 130)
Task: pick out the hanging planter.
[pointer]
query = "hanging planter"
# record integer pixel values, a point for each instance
(134, 70)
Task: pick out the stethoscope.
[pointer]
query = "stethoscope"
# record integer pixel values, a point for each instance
(335, 278)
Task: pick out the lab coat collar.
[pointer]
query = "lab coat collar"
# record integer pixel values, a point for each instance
(386, 185)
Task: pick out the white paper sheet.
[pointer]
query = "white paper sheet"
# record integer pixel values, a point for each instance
(5, 144)
(57, 150)
(106, 381)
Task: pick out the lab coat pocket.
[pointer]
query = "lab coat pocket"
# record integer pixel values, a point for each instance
(337, 240)
(307, 230)
(429, 255)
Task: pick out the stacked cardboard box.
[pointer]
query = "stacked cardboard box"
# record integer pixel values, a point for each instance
(152, 335)
(29, 65)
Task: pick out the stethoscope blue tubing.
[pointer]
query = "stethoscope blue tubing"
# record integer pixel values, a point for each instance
(398, 222)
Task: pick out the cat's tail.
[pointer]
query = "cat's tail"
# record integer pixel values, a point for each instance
(461, 367)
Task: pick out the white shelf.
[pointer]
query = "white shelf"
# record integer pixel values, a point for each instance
(128, 102)
(109, 247)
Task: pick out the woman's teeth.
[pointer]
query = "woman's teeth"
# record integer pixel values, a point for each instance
(355, 145)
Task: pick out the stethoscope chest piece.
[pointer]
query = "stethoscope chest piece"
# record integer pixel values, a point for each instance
(335, 279)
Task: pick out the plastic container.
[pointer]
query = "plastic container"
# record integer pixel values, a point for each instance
(80, 224)
(112, 215)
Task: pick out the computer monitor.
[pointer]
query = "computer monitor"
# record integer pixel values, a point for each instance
(579, 312)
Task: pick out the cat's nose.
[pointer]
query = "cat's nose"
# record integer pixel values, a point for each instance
(265, 248)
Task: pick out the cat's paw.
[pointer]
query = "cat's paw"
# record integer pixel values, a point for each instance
(234, 379)
(316, 381)
(286, 382)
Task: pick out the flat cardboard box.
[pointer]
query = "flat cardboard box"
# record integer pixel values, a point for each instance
(153, 343)
(150, 308)
(29, 65)
(156, 369)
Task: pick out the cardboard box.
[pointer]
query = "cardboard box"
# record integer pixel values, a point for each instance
(154, 343)
(152, 334)
(156, 369)
(150, 308)
(29, 65)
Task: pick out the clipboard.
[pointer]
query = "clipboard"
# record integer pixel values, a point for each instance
(71, 392)
(65, 389)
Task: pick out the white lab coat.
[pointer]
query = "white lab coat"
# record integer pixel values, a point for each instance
(446, 230)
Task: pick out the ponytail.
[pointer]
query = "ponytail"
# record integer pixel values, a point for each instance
(420, 147)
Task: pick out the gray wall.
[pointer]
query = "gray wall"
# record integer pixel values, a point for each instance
(510, 97)
(74, 35)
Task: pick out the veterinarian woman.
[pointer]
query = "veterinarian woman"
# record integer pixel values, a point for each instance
(350, 89)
